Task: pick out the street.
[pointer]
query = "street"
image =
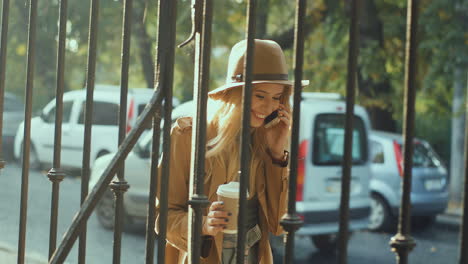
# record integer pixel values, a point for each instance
(436, 244)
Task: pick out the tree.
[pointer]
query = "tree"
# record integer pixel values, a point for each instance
(442, 49)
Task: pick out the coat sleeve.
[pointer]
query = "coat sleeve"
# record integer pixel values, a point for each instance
(276, 191)
(178, 189)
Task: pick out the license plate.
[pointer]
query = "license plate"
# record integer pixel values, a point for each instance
(335, 187)
(434, 184)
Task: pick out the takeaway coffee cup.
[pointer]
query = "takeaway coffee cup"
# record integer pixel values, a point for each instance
(229, 194)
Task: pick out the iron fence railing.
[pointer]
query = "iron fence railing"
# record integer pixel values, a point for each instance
(402, 243)
(3, 55)
(292, 221)
(202, 15)
(27, 129)
(348, 143)
(56, 175)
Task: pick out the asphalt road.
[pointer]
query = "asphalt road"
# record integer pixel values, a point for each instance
(436, 244)
(99, 240)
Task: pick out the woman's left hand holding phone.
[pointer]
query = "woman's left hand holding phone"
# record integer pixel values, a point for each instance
(216, 219)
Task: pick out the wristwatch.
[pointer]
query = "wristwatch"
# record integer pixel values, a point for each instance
(283, 162)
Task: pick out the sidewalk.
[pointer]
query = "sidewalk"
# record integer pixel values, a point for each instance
(8, 254)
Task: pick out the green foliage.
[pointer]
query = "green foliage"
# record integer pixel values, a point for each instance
(443, 47)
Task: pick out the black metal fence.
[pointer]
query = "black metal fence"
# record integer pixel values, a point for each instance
(202, 14)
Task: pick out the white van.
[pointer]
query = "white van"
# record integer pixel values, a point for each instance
(104, 130)
(321, 145)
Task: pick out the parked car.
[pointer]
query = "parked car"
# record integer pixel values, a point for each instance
(13, 115)
(429, 192)
(104, 131)
(321, 141)
(319, 173)
(137, 174)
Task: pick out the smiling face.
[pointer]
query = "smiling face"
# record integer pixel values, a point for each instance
(265, 100)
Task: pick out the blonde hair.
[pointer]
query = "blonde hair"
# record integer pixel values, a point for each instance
(224, 127)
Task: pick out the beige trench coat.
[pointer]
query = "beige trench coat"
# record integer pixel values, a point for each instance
(271, 187)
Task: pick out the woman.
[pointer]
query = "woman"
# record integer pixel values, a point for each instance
(268, 173)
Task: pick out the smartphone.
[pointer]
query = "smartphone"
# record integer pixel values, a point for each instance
(271, 120)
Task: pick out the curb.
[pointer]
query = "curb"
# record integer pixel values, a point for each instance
(449, 220)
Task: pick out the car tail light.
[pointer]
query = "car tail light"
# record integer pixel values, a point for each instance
(398, 157)
(301, 169)
(130, 115)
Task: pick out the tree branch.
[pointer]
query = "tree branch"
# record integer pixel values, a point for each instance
(286, 38)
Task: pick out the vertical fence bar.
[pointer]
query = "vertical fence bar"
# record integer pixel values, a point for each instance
(3, 55)
(56, 175)
(165, 78)
(198, 201)
(348, 140)
(245, 155)
(150, 219)
(163, 73)
(402, 243)
(88, 112)
(27, 128)
(120, 186)
(291, 221)
(464, 226)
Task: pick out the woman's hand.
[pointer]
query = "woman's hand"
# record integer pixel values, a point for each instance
(277, 136)
(216, 219)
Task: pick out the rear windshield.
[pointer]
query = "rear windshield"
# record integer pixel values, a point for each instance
(424, 157)
(329, 140)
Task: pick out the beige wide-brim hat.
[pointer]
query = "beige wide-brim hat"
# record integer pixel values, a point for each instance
(269, 67)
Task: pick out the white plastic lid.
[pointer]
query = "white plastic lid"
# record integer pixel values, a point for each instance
(230, 190)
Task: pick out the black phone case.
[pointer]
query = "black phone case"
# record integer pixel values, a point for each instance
(268, 122)
(271, 117)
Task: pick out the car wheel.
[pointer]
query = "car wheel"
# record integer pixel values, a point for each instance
(105, 211)
(34, 162)
(380, 218)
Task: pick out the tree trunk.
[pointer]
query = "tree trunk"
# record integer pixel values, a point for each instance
(457, 139)
(144, 43)
(262, 19)
(371, 30)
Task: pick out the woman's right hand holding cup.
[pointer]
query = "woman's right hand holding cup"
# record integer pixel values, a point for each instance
(216, 219)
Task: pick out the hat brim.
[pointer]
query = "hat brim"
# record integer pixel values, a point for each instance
(218, 92)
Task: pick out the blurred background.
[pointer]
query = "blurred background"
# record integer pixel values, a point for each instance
(442, 56)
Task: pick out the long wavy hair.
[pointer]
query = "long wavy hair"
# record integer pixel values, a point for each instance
(224, 127)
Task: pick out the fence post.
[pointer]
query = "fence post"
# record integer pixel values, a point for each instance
(27, 128)
(3, 55)
(402, 243)
(291, 221)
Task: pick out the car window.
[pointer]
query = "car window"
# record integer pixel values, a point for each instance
(104, 113)
(141, 107)
(424, 157)
(329, 140)
(67, 107)
(377, 153)
(143, 147)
